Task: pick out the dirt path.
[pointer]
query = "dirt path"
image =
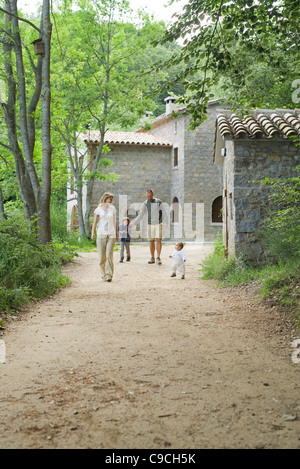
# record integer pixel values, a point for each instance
(147, 362)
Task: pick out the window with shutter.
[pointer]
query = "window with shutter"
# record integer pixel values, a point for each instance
(175, 161)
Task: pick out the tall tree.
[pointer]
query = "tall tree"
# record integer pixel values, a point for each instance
(20, 112)
(95, 83)
(225, 39)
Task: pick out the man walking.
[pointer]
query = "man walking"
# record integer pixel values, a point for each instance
(156, 217)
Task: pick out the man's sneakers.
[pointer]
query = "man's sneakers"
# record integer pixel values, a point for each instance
(152, 261)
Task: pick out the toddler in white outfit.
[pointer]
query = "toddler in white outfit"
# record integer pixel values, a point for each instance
(179, 259)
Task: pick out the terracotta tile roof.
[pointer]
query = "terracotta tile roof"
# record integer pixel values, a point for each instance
(283, 123)
(127, 138)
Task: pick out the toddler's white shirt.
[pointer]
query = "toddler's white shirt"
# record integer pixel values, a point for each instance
(178, 256)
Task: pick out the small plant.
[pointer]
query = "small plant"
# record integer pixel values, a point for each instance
(217, 266)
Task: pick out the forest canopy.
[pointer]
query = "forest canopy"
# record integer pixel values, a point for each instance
(245, 51)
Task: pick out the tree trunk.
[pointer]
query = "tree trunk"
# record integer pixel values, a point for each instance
(75, 162)
(87, 222)
(22, 96)
(44, 231)
(80, 213)
(35, 194)
(2, 212)
(9, 109)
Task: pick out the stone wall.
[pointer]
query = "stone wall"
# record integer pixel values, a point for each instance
(196, 181)
(202, 178)
(246, 161)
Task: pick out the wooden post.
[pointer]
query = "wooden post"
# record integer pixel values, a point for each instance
(226, 224)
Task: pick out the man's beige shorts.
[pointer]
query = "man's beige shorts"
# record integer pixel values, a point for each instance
(154, 232)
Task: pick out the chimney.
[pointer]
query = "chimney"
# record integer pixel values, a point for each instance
(170, 104)
(146, 119)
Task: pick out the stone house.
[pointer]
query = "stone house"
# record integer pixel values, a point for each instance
(176, 163)
(257, 146)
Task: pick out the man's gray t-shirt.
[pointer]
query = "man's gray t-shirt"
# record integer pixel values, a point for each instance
(155, 210)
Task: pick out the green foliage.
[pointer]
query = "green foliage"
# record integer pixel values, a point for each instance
(28, 270)
(99, 51)
(249, 48)
(283, 285)
(281, 227)
(13, 298)
(60, 233)
(98, 57)
(212, 265)
(229, 271)
(62, 237)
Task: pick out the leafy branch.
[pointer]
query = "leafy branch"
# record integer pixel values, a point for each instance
(21, 19)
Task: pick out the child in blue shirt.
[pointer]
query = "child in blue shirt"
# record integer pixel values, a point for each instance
(124, 237)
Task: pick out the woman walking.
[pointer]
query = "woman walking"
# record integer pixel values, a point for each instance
(105, 222)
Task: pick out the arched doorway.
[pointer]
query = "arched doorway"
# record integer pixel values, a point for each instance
(175, 210)
(217, 210)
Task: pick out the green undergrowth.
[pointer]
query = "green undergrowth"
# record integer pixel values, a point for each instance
(28, 270)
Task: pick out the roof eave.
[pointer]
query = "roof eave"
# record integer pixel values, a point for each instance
(130, 144)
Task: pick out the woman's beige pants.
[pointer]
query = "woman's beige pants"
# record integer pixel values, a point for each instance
(105, 246)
